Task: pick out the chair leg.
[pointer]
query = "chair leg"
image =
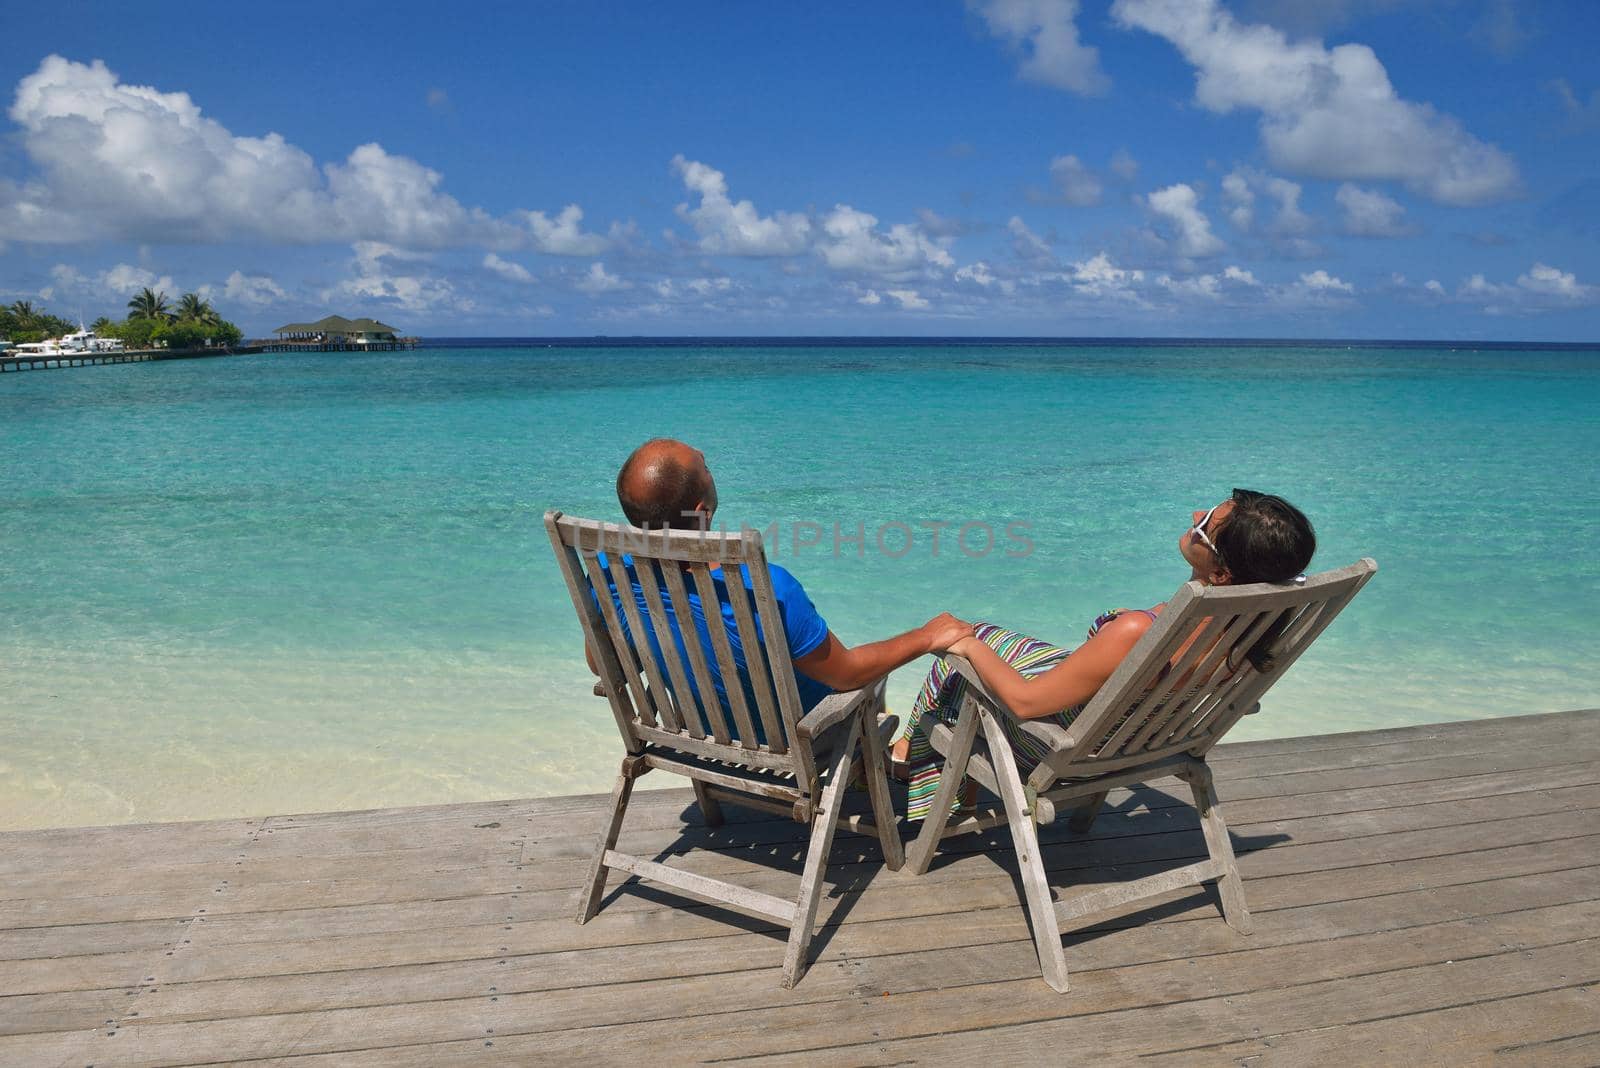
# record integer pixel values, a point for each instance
(823, 823)
(878, 789)
(1230, 887)
(710, 809)
(1041, 903)
(590, 891)
(955, 767)
(1083, 816)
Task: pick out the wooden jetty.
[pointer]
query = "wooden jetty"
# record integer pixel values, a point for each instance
(51, 362)
(1426, 895)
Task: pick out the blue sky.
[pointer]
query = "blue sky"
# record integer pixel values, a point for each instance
(1316, 168)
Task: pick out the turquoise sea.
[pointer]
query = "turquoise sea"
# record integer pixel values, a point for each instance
(302, 582)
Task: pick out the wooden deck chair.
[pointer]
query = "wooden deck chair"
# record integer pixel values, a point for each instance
(757, 749)
(1155, 717)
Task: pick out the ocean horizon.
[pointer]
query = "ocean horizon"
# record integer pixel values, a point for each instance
(301, 582)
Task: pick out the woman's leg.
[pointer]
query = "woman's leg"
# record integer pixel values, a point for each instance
(940, 699)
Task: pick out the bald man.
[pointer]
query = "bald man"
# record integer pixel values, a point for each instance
(666, 483)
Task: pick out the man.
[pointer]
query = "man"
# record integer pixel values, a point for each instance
(666, 483)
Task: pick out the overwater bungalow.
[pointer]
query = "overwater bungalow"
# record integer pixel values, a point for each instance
(336, 333)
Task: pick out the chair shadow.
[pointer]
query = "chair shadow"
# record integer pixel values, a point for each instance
(774, 844)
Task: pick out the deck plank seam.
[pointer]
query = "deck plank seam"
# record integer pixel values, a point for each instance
(1076, 1017)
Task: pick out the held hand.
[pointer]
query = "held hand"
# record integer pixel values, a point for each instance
(944, 630)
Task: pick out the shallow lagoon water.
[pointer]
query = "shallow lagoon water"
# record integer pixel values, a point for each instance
(294, 583)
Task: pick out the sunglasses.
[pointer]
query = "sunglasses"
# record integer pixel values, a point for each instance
(1240, 496)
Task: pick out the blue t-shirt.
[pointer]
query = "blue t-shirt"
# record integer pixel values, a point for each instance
(802, 624)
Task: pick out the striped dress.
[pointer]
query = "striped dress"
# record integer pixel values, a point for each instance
(941, 699)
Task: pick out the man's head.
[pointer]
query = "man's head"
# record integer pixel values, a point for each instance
(666, 483)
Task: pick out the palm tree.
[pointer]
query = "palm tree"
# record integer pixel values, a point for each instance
(24, 313)
(148, 304)
(191, 308)
(100, 325)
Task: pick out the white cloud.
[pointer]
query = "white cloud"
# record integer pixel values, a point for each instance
(130, 162)
(850, 241)
(1232, 280)
(563, 236)
(125, 280)
(908, 299)
(1078, 184)
(254, 289)
(599, 280)
(693, 288)
(1433, 285)
(1241, 187)
(1327, 113)
(869, 298)
(1552, 282)
(982, 275)
(1242, 200)
(516, 272)
(1029, 246)
(1179, 206)
(1320, 281)
(382, 275)
(1368, 213)
(736, 229)
(1099, 277)
(1541, 288)
(1124, 166)
(1240, 275)
(1045, 34)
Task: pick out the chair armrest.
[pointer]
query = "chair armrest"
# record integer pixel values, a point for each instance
(599, 688)
(1050, 734)
(836, 708)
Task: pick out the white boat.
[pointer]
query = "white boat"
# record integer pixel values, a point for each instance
(78, 343)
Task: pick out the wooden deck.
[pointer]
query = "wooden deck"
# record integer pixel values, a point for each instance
(1429, 895)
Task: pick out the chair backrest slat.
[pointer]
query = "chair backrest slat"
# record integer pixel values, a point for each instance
(755, 658)
(704, 684)
(1194, 712)
(723, 651)
(1203, 678)
(1139, 712)
(650, 584)
(638, 617)
(625, 652)
(782, 665)
(594, 634)
(1154, 700)
(642, 634)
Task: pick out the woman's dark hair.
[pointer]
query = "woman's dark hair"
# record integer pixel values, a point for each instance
(1266, 539)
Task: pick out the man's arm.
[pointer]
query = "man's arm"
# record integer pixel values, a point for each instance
(842, 668)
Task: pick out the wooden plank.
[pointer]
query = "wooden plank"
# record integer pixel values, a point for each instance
(705, 686)
(900, 943)
(1017, 1019)
(721, 894)
(722, 651)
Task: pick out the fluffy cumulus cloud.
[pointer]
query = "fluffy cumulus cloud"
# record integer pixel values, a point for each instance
(734, 228)
(597, 280)
(1178, 206)
(1044, 33)
(1320, 281)
(1369, 213)
(400, 278)
(115, 160)
(849, 240)
(1028, 246)
(507, 269)
(1286, 227)
(1327, 113)
(1541, 288)
(1099, 277)
(908, 299)
(1077, 184)
(257, 290)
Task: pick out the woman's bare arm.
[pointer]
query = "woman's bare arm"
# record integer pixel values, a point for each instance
(1068, 684)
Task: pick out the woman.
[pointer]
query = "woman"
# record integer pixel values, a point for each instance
(1250, 537)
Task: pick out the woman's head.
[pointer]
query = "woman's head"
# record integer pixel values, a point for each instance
(1250, 537)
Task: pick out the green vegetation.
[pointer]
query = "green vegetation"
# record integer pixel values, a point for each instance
(22, 322)
(151, 323)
